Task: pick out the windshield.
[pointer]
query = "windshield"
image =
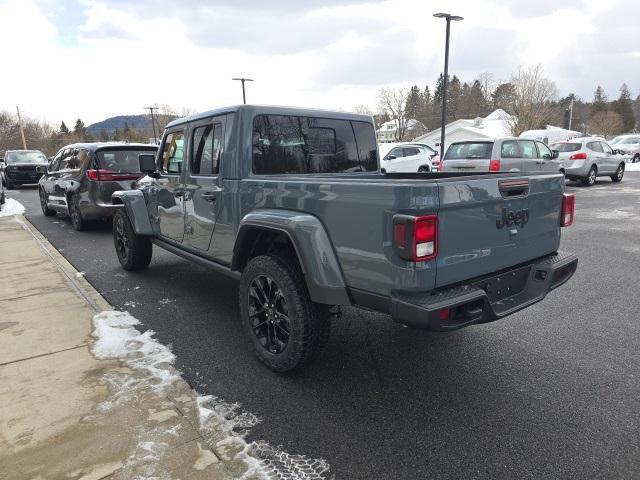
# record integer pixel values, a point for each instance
(469, 151)
(121, 160)
(566, 147)
(27, 156)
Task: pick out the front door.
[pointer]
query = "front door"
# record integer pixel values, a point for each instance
(610, 161)
(510, 156)
(202, 187)
(169, 195)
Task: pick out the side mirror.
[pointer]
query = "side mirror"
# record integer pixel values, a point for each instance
(147, 162)
(391, 157)
(555, 153)
(41, 169)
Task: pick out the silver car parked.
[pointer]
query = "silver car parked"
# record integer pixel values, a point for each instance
(507, 154)
(628, 145)
(587, 158)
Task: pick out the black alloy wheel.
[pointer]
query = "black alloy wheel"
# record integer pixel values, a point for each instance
(74, 213)
(269, 314)
(121, 238)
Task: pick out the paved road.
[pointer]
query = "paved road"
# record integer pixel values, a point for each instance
(551, 392)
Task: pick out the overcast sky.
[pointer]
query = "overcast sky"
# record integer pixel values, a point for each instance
(63, 59)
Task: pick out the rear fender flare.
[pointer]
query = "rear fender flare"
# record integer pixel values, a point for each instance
(136, 207)
(312, 245)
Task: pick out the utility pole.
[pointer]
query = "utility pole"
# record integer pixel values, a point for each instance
(448, 17)
(570, 113)
(153, 123)
(242, 79)
(24, 142)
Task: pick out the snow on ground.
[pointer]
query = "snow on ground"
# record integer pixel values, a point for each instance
(225, 423)
(11, 207)
(632, 167)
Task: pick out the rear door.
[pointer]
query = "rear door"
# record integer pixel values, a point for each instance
(511, 157)
(202, 185)
(170, 190)
(488, 224)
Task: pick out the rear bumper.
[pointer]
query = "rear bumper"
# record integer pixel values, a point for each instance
(484, 299)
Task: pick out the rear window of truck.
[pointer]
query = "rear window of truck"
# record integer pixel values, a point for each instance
(469, 151)
(298, 145)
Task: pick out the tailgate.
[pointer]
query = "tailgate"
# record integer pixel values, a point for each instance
(492, 223)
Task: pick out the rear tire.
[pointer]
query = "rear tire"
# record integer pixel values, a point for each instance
(134, 251)
(43, 204)
(590, 179)
(286, 328)
(617, 177)
(636, 158)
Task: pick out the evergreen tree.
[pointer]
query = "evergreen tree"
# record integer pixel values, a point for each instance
(126, 132)
(414, 99)
(79, 130)
(476, 104)
(504, 97)
(623, 107)
(63, 128)
(599, 101)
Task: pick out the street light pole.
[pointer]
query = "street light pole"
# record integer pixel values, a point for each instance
(242, 79)
(448, 17)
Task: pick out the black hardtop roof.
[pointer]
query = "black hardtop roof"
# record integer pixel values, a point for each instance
(273, 110)
(93, 146)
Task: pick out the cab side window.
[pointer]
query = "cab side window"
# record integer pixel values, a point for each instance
(172, 153)
(510, 149)
(396, 152)
(206, 149)
(528, 149)
(410, 152)
(545, 152)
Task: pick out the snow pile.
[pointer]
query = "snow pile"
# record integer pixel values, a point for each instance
(224, 425)
(632, 167)
(11, 207)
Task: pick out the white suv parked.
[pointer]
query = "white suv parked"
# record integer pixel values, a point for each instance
(407, 157)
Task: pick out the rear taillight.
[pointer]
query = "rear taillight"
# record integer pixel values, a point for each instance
(578, 156)
(568, 209)
(416, 238)
(110, 175)
(440, 165)
(494, 166)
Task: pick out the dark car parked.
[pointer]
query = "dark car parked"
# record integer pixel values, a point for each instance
(20, 166)
(81, 178)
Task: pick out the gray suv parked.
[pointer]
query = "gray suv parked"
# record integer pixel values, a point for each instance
(499, 155)
(81, 177)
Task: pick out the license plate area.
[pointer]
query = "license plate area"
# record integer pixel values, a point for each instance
(504, 285)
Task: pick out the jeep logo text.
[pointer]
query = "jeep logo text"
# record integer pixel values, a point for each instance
(519, 218)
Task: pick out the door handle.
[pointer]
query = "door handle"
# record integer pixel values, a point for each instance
(209, 196)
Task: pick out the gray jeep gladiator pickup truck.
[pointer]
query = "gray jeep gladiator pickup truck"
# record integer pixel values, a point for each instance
(292, 202)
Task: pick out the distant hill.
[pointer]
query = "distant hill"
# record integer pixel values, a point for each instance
(111, 124)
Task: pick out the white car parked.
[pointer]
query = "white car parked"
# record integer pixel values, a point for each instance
(408, 157)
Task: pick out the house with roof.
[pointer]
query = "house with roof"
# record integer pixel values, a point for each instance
(388, 130)
(497, 124)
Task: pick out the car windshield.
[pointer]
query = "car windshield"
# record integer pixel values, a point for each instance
(566, 147)
(31, 156)
(469, 151)
(122, 160)
(618, 140)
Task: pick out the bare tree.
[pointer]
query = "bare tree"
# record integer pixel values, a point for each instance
(363, 109)
(606, 123)
(532, 102)
(488, 84)
(393, 101)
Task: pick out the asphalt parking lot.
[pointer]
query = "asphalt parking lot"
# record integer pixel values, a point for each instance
(551, 392)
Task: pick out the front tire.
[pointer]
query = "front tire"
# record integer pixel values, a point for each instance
(617, 177)
(134, 251)
(286, 328)
(590, 179)
(77, 222)
(43, 204)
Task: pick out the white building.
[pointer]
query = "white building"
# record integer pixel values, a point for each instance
(387, 131)
(497, 124)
